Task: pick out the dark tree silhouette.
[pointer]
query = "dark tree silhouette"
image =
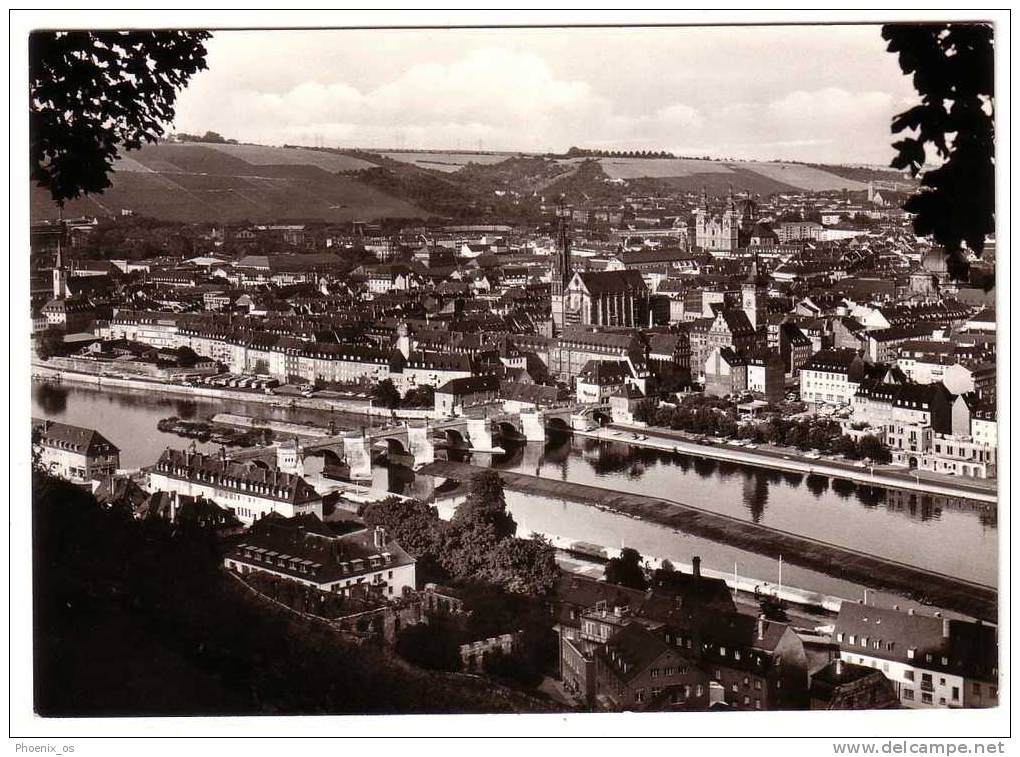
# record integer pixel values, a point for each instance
(93, 92)
(627, 570)
(953, 71)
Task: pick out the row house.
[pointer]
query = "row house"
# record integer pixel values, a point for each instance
(74, 453)
(831, 377)
(249, 490)
(730, 328)
(305, 551)
(882, 345)
(577, 346)
(931, 661)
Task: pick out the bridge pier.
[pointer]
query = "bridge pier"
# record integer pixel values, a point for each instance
(479, 433)
(357, 450)
(419, 443)
(581, 422)
(533, 425)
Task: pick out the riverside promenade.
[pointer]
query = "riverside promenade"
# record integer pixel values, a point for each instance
(967, 597)
(788, 459)
(323, 400)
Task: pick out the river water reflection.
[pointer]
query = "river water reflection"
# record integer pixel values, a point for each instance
(957, 537)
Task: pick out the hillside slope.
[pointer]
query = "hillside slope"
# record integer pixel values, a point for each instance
(203, 182)
(761, 177)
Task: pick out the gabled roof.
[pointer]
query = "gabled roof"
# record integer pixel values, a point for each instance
(612, 282)
(968, 648)
(84, 441)
(307, 548)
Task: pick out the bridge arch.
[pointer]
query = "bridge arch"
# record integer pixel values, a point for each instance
(455, 438)
(508, 430)
(395, 446)
(601, 416)
(558, 424)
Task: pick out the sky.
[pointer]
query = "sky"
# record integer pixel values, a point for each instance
(808, 93)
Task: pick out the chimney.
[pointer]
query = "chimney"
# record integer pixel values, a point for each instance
(945, 628)
(761, 626)
(379, 537)
(910, 611)
(696, 566)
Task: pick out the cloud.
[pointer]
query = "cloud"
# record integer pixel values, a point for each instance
(504, 98)
(512, 97)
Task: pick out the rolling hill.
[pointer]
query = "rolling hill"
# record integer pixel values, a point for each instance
(233, 182)
(762, 177)
(213, 182)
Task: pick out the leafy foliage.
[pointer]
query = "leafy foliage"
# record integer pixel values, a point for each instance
(433, 646)
(953, 72)
(385, 394)
(627, 570)
(93, 92)
(486, 504)
(522, 566)
(49, 343)
(136, 617)
(478, 544)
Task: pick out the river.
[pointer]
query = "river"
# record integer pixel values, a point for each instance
(957, 537)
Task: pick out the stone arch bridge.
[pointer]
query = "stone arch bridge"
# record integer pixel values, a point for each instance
(417, 439)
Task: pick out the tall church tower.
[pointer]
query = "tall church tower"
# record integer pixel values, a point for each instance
(59, 275)
(730, 225)
(562, 270)
(700, 216)
(754, 297)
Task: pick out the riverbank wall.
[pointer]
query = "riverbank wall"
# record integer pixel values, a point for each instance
(212, 392)
(967, 597)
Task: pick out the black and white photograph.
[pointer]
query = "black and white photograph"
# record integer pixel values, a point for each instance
(582, 375)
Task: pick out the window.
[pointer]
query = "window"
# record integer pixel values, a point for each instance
(908, 694)
(655, 672)
(853, 639)
(976, 689)
(910, 654)
(839, 637)
(956, 693)
(639, 695)
(926, 697)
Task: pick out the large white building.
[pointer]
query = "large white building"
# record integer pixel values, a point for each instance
(249, 489)
(831, 377)
(308, 552)
(78, 454)
(932, 661)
